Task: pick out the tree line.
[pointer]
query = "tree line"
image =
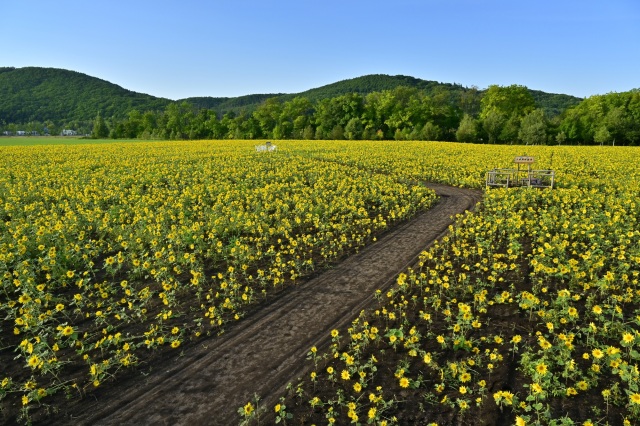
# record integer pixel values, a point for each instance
(500, 114)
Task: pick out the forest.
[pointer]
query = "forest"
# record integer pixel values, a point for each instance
(500, 115)
(375, 107)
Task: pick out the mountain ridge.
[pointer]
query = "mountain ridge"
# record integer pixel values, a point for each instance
(53, 94)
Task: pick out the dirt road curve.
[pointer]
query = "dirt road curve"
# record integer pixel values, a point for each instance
(268, 349)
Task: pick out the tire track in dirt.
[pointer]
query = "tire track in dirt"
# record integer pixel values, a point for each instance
(267, 350)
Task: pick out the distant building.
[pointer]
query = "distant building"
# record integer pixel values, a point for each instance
(7, 133)
(35, 133)
(68, 132)
(21, 133)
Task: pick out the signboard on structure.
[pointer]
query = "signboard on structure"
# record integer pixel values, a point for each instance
(524, 159)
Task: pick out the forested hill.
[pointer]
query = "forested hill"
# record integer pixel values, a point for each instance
(49, 94)
(375, 83)
(43, 94)
(553, 104)
(223, 105)
(361, 85)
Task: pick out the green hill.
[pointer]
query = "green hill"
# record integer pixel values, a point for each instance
(374, 83)
(362, 85)
(553, 104)
(40, 94)
(222, 105)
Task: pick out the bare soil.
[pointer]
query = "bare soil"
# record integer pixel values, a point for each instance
(262, 353)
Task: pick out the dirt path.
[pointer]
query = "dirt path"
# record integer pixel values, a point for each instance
(268, 349)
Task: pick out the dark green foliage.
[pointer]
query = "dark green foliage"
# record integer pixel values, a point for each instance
(467, 99)
(224, 105)
(510, 100)
(613, 118)
(373, 83)
(533, 128)
(553, 104)
(492, 125)
(467, 131)
(370, 107)
(40, 94)
(100, 129)
(360, 85)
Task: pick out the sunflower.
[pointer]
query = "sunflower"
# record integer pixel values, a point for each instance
(541, 369)
(33, 361)
(536, 388)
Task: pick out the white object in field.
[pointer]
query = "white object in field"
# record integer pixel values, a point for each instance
(267, 147)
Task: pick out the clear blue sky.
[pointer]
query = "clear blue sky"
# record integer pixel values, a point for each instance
(179, 49)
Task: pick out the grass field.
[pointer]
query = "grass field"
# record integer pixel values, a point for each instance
(55, 140)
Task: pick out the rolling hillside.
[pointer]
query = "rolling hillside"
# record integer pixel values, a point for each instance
(552, 103)
(41, 94)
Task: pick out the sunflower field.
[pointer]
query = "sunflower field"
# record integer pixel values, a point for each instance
(108, 252)
(528, 312)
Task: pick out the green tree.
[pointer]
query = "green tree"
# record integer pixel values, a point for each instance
(251, 128)
(100, 129)
(334, 112)
(467, 131)
(617, 123)
(602, 135)
(533, 128)
(133, 124)
(283, 130)
(177, 121)
(149, 125)
(430, 132)
(308, 133)
(378, 108)
(300, 123)
(268, 115)
(295, 116)
(618, 113)
(337, 133)
(353, 129)
(492, 124)
(508, 101)
(405, 108)
(470, 101)
(510, 130)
